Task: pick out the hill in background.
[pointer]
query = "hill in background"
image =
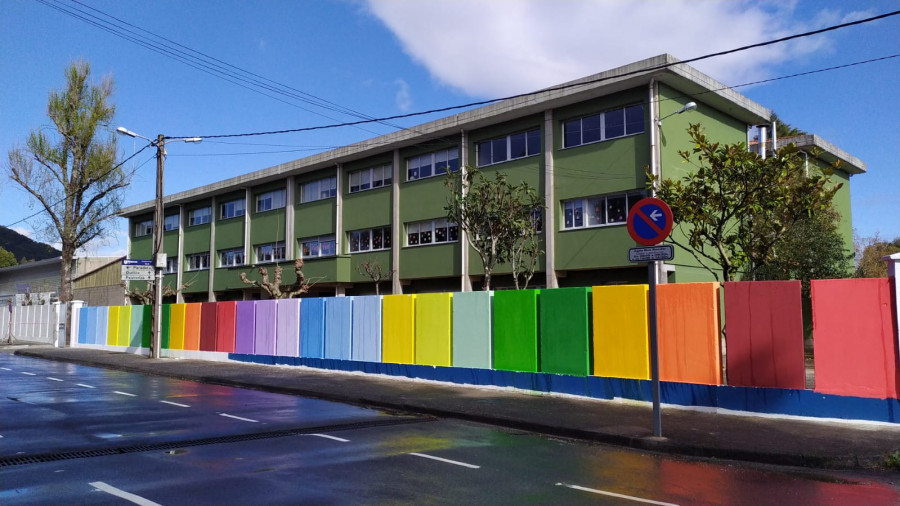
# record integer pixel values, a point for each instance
(23, 247)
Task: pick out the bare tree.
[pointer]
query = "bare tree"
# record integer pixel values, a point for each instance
(144, 297)
(372, 268)
(274, 288)
(74, 176)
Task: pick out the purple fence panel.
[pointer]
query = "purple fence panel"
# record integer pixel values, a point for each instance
(245, 327)
(266, 314)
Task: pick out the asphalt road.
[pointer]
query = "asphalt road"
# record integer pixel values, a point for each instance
(80, 435)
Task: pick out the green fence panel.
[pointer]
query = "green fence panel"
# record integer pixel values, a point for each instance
(472, 329)
(516, 330)
(164, 332)
(147, 326)
(565, 331)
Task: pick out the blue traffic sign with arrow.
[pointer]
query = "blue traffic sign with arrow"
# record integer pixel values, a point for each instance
(649, 221)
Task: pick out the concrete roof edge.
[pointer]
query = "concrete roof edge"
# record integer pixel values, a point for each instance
(655, 66)
(850, 163)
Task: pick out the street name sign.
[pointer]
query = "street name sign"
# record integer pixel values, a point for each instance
(649, 221)
(651, 254)
(137, 270)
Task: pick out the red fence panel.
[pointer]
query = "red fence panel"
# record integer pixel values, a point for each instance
(854, 337)
(764, 334)
(208, 326)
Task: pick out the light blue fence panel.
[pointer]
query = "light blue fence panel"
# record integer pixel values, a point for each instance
(338, 327)
(312, 328)
(366, 346)
(472, 328)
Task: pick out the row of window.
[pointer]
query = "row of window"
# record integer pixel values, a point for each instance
(203, 215)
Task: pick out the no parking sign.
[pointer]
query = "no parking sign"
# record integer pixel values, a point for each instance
(650, 221)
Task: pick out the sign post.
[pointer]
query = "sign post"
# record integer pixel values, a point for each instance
(649, 223)
(137, 270)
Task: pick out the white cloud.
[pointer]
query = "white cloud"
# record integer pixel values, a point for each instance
(403, 97)
(499, 48)
(24, 231)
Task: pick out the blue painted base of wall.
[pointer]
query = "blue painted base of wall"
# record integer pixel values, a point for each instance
(759, 400)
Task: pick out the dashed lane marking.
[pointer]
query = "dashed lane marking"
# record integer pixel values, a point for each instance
(124, 393)
(6, 368)
(613, 494)
(448, 461)
(175, 404)
(85, 386)
(128, 496)
(239, 418)
(29, 373)
(51, 378)
(335, 438)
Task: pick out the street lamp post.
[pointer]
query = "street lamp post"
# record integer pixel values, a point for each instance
(653, 275)
(159, 259)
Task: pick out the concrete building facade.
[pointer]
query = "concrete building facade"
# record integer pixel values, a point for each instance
(584, 145)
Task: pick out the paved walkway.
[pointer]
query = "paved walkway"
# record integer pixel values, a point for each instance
(691, 432)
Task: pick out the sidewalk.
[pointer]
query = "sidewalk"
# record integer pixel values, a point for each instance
(783, 441)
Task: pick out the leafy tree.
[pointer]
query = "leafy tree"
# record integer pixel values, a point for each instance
(373, 269)
(783, 129)
(813, 250)
(274, 288)
(736, 207)
(497, 219)
(870, 253)
(7, 259)
(73, 175)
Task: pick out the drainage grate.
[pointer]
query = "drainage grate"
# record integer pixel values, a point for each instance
(171, 445)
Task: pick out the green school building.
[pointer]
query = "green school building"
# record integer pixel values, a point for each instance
(584, 145)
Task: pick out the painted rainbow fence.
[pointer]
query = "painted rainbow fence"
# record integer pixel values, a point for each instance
(582, 341)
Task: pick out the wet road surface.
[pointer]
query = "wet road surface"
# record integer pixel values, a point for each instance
(76, 434)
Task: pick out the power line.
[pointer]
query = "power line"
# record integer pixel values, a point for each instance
(562, 86)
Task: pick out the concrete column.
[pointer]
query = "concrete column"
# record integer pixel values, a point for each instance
(549, 200)
(396, 225)
(289, 219)
(213, 254)
(179, 273)
(247, 207)
(339, 210)
(466, 280)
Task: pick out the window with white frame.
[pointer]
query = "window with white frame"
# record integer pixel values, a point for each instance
(315, 247)
(537, 219)
(598, 211)
(270, 200)
(510, 147)
(231, 257)
(605, 125)
(143, 228)
(318, 190)
(233, 208)
(199, 216)
(373, 177)
(198, 261)
(171, 265)
(271, 252)
(432, 164)
(171, 222)
(437, 231)
(371, 239)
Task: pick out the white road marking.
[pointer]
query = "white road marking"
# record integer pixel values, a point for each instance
(239, 418)
(175, 404)
(124, 393)
(448, 461)
(613, 494)
(6, 368)
(85, 386)
(29, 373)
(53, 379)
(128, 496)
(326, 436)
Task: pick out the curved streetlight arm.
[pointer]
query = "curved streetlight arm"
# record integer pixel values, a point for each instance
(690, 106)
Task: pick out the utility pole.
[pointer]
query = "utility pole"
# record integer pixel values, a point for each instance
(159, 260)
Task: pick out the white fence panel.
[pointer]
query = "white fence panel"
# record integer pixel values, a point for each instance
(39, 324)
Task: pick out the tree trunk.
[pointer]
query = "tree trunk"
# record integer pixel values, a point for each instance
(65, 287)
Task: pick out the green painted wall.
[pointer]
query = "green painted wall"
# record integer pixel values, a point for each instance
(339, 269)
(196, 238)
(198, 281)
(314, 218)
(592, 247)
(353, 261)
(436, 260)
(267, 226)
(367, 209)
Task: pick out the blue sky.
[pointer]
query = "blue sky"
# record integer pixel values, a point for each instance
(388, 57)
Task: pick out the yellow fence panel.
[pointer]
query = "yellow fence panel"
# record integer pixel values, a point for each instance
(434, 329)
(621, 346)
(398, 329)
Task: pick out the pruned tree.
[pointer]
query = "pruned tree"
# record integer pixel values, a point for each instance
(736, 207)
(274, 288)
(497, 219)
(524, 256)
(373, 270)
(144, 296)
(73, 174)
